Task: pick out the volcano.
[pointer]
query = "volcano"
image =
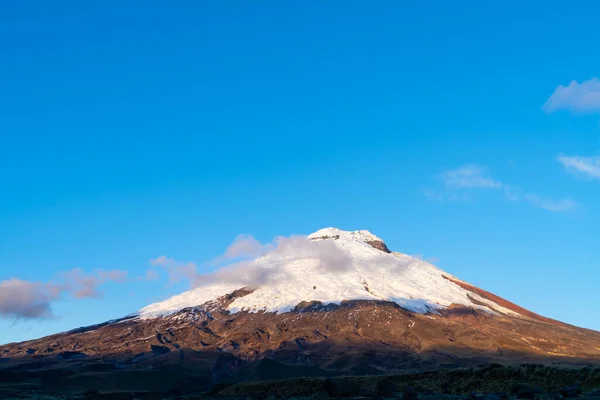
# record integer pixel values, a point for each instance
(333, 303)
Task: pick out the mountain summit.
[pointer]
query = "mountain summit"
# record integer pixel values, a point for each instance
(333, 302)
(331, 266)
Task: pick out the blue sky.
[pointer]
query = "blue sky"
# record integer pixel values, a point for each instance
(132, 130)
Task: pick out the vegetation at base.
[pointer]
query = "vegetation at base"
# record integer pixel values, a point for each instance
(493, 382)
(489, 379)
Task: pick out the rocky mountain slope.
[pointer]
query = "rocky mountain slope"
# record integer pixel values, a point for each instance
(333, 303)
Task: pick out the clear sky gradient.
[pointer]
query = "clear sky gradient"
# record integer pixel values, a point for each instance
(131, 130)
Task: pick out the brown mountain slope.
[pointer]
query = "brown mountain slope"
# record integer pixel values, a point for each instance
(208, 344)
(499, 300)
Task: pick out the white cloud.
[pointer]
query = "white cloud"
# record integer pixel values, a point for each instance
(249, 273)
(150, 275)
(586, 166)
(161, 261)
(460, 183)
(244, 246)
(469, 176)
(578, 97)
(550, 204)
(177, 270)
(82, 285)
(437, 194)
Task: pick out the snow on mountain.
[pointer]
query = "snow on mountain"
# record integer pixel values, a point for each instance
(360, 236)
(330, 266)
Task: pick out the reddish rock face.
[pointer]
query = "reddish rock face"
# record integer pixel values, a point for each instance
(499, 300)
(379, 245)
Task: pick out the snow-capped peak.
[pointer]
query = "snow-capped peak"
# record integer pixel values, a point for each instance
(330, 266)
(335, 233)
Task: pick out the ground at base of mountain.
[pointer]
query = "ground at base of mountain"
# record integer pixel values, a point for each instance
(494, 382)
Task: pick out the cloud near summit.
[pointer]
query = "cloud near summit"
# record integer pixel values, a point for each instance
(243, 268)
(258, 264)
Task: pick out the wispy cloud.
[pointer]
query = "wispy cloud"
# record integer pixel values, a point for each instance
(551, 204)
(20, 299)
(584, 166)
(460, 183)
(469, 176)
(150, 275)
(441, 195)
(176, 270)
(581, 97)
(455, 182)
(82, 285)
(244, 246)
